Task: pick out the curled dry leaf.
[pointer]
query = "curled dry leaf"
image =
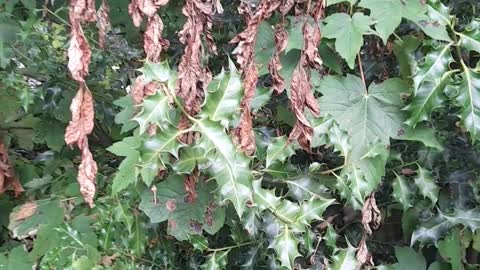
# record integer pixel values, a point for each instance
(87, 170)
(281, 41)
(311, 34)
(27, 210)
(287, 6)
(79, 51)
(7, 175)
(140, 90)
(139, 8)
(371, 215)
(82, 117)
(83, 10)
(153, 43)
(243, 133)
(103, 22)
(364, 257)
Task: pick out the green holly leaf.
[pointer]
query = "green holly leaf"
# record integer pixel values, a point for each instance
(199, 242)
(26, 219)
(451, 249)
(468, 95)
(184, 218)
(285, 210)
(402, 192)
(408, 259)
(345, 259)
(223, 96)
(188, 159)
(434, 23)
(426, 185)
(468, 218)
(430, 80)
(216, 261)
(470, 37)
(348, 33)
(165, 141)
(229, 167)
(261, 98)
(286, 247)
(432, 230)
(160, 72)
(313, 209)
(155, 109)
(388, 14)
(306, 187)
(279, 150)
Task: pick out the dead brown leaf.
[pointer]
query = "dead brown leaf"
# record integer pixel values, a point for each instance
(87, 170)
(103, 22)
(153, 43)
(79, 52)
(8, 180)
(108, 260)
(281, 41)
(27, 210)
(139, 8)
(83, 10)
(311, 34)
(83, 114)
(371, 215)
(364, 257)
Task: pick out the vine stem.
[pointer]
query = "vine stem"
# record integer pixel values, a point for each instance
(361, 72)
(230, 247)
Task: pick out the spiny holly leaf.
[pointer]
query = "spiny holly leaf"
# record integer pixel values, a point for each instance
(286, 247)
(468, 218)
(313, 209)
(388, 14)
(470, 38)
(367, 117)
(432, 230)
(26, 219)
(223, 96)
(279, 150)
(402, 192)
(403, 50)
(184, 218)
(408, 259)
(230, 168)
(216, 261)
(348, 32)
(306, 187)
(154, 110)
(426, 185)
(165, 141)
(345, 259)
(156, 72)
(430, 80)
(434, 23)
(451, 249)
(468, 97)
(189, 158)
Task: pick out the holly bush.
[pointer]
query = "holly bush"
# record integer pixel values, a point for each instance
(247, 134)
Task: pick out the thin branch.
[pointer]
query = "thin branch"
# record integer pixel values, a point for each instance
(361, 72)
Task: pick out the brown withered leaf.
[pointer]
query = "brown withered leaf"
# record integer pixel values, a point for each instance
(281, 41)
(311, 34)
(87, 170)
(79, 52)
(83, 10)
(190, 181)
(371, 215)
(139, 8)
(287, 6)
(243, 134)
(27, 210)
(301, 97)
(139, 90)
(153, 43)
(318, 10)
(108, 260)
(364, 257)
(103, 22)
(8, 180)
(82, 117)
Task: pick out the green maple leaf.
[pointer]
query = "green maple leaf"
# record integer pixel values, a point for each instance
(470, 37)
(223, 96)
(402, 192)
(426, 185)
(430, 80)
(229, 167)
(286, 247)
(154, 110)
(468, 98)
(184, 218)
(279, 150)
(388, 13)
(345, 259)
(348, 33)
(216, 261)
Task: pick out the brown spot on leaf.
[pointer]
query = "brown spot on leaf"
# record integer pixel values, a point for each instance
(371, 215)
(407, 172)
(189, 184)
(195, 226)
(209, 218)
(171, 205)
(171, 224)
(27, 210)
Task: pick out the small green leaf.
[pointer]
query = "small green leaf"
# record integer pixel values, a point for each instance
(469, 94)
(451, 249)
(345, 259)
(408, 259)
(426, 185)
(188, 159)
(156, 72)
(402, 192)
(216, 261)
(286, 247)
(348, 32)
(127, 173)
(165, 141)
(154, 110)
(279, 150)
(126, 147)
(403, 50)
(435, 22)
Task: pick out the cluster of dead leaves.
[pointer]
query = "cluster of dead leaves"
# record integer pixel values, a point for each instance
(193, 77)
(82, 107)
(371, 218)
(8, 181)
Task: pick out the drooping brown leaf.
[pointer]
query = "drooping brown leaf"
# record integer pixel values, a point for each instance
(140, 90)
(103, 22)
(153, 43)
(243, 133)
(82, 10)
(87, 170)
(311, 34)
(79, 52)
(287, 6)
(189, 184)
(371, 215)
(83, 114)
(139, 8)
(7, 176)
(364, 257)
(281, 41)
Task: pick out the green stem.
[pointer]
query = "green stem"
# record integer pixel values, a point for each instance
(230, 247)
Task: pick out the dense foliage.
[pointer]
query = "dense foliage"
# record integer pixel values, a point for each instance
(240, 134)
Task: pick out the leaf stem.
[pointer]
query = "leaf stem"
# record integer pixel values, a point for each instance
(361, 72)
(231, 247)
